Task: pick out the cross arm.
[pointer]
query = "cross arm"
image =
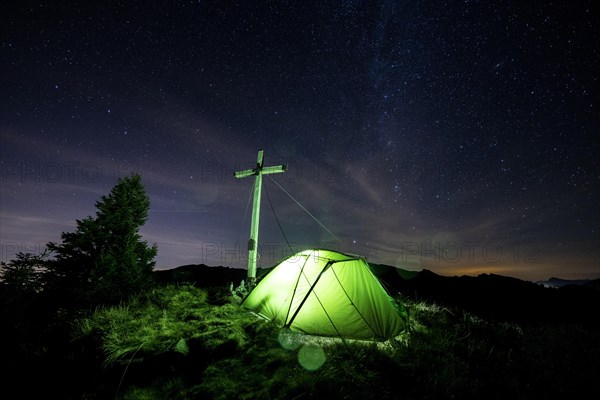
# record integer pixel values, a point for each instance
(244, 173)
(274, 169)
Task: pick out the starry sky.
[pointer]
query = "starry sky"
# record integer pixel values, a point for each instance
(455, 136)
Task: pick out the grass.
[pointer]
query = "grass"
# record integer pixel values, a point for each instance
(166, 320)
(189, 343)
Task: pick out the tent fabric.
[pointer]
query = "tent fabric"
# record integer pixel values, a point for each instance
(327, 293)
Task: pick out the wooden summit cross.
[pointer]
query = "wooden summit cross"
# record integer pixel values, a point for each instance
(253, 242)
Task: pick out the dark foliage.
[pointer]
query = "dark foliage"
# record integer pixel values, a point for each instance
(105, 260)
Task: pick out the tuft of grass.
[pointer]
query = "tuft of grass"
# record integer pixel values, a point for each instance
(166, 320)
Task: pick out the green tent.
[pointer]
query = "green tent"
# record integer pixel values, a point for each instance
(326, 293)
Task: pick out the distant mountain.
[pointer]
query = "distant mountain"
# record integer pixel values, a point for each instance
(595, 284)
(558, 282)
(488, 295)
(202, 275)
(496, 296)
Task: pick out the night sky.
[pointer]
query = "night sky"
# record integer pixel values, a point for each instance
(456, 136)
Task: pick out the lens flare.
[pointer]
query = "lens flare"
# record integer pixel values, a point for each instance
(311, 356)
(289, 340)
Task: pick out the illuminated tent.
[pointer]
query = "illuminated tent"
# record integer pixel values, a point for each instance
(326, 293)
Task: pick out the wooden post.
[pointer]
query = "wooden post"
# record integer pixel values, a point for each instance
(253, 242)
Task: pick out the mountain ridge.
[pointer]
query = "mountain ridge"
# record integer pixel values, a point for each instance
(488, 295)
(553, 281)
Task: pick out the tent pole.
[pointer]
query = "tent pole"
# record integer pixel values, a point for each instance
(329, 263)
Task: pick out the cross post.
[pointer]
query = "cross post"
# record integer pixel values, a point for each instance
(253, 242)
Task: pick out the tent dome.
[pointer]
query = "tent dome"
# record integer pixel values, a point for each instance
(327, 293)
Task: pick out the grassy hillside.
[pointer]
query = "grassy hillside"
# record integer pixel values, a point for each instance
(183, 342)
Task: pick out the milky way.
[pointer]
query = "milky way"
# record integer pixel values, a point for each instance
(460, 137)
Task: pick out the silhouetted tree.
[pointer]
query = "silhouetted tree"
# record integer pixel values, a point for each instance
(105, 260)
(20, 282)
(23, 274)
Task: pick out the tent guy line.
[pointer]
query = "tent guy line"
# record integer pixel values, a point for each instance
(308, 212)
